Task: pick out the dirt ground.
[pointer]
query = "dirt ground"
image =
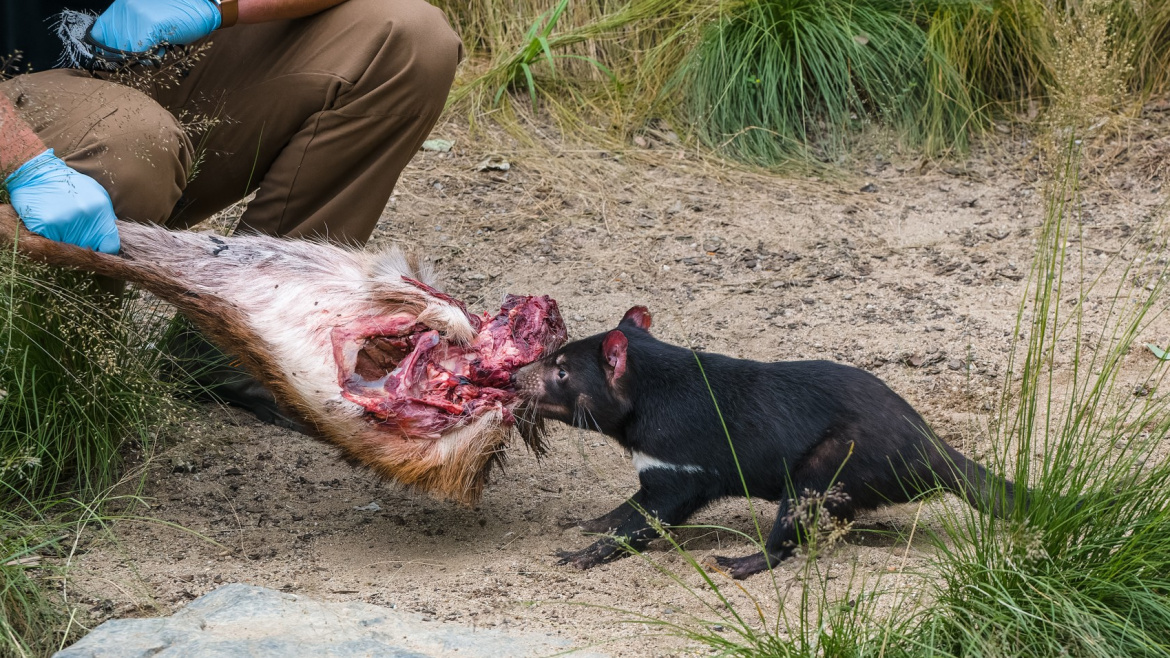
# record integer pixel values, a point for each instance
(913, 271)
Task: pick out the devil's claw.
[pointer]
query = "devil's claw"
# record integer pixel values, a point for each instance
(597, 553)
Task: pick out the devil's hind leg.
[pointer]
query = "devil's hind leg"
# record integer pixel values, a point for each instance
(791, 528)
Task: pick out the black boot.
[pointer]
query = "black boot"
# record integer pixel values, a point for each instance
(206, 373)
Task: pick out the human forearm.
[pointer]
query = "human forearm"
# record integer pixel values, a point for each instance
(260, 11)
(18, 142)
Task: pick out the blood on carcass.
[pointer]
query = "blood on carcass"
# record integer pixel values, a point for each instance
(438, 384)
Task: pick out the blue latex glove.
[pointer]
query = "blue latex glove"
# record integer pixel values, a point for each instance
(139, 26)
(62, 204)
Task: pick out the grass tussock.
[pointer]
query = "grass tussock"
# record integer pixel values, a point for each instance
(78, 384)
(29, 620)
(78, 395)
(1144, 25)
(39, 612)
(770, 82)
(778, 78)
(1002, 49)
(1084, 568)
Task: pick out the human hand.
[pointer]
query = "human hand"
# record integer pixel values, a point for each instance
(59, 203)
(137, 27)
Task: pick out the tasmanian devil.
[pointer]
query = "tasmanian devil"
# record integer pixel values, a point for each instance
(791, 427)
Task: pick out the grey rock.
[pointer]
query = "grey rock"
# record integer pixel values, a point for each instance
(240, 620)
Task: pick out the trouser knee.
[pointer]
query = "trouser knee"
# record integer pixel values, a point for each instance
(118, 136)
(413, 56)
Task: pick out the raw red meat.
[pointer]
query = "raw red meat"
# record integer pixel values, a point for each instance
(406, 376)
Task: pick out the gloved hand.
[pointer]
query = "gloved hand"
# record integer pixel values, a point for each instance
(62, 204)
(139, 26)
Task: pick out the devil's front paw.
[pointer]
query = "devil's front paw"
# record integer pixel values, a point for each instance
(598, 553)
(737, 567)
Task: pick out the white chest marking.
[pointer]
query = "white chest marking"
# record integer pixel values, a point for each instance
(644, 462)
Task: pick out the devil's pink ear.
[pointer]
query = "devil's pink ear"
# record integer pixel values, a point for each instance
(614, 350)
(639, 316)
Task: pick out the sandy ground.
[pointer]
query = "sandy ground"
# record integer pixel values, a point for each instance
(911, 271)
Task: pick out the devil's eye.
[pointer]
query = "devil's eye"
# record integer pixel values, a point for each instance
(561, 374)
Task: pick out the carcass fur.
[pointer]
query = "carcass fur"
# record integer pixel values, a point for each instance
(298, 313)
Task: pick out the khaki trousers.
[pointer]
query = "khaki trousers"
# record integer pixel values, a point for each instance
(318, 115)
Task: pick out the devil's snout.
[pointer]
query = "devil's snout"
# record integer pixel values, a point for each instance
(524, 379)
